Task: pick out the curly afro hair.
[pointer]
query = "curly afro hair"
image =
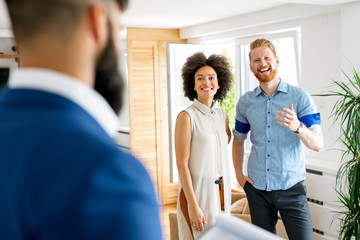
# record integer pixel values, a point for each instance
(221, 66)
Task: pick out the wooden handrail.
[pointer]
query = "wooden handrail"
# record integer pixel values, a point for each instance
(9, 55)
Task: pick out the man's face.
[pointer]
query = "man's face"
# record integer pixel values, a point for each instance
(108, 80)
(264, 64)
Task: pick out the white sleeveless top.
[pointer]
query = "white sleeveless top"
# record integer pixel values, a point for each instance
(208, 161)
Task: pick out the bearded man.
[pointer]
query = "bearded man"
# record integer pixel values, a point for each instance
(62, 174)
(281, 118)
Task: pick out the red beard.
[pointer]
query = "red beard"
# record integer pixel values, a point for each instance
(266, 78)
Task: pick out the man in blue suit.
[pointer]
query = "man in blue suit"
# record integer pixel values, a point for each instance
(62, 176)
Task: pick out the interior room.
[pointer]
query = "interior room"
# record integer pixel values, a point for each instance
(317, 40)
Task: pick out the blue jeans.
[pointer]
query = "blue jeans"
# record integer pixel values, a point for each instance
(292, 205)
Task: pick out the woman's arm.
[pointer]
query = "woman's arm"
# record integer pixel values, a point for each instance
(182, 151)
(228, 131)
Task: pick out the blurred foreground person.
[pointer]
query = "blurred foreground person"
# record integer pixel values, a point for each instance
(62, 174)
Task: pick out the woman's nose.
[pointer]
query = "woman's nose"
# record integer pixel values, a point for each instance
(207, 80)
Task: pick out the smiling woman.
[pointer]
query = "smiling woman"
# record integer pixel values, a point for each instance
(218, 68)
(201, 137)
(206, 84)
(176, 57)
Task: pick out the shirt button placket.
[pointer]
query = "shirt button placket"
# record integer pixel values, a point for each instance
(268, 134)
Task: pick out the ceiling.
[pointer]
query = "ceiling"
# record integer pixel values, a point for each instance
(176, 14)
(183, 13)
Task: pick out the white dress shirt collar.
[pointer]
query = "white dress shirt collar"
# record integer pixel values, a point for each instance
(70, 88)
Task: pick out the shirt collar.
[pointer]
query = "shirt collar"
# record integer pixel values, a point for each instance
(258, 90)
(283, 87)
(203, 108)
(70, 88)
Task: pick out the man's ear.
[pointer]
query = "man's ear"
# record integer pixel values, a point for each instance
(98, 23)
(251, 69)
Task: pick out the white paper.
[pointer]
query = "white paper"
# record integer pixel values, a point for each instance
(232, 228)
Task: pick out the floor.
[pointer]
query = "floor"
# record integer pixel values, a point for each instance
(165, 210)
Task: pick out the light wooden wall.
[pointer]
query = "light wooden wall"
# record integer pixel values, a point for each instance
(149, 129)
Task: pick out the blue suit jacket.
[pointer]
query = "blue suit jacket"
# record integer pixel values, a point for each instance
(63, 177)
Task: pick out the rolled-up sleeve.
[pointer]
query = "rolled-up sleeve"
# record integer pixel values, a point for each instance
(242, 126)
(308, 114)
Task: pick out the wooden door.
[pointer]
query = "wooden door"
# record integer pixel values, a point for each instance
(149, 132)
(142, 65)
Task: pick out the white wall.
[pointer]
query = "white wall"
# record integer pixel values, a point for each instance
(320, 65)
(321, 47)
(350, 35)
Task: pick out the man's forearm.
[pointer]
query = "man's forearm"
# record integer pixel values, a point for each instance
(238, 155)
(311, 139)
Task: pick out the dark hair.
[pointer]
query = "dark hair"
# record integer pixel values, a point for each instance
(221, 66)
(31, 18)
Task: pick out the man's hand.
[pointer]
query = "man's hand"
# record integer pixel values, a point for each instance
(288, 119)
(311, 139)
(242, 179)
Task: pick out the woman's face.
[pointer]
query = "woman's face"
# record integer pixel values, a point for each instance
(206, 83)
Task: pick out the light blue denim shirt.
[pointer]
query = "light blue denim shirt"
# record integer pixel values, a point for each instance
(276, 159)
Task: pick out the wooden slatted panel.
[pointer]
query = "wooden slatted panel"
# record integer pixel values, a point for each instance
(149, 129)
(147, 34)
(142, 58)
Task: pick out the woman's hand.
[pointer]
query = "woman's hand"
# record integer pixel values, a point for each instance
(197, 218)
